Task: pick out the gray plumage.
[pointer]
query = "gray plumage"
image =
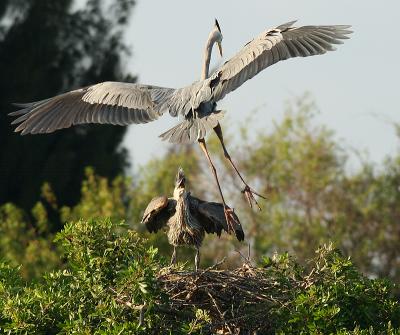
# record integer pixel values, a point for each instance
(187, 218)
(125, 103)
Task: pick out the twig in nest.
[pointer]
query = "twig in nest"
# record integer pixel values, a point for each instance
(246, 260)
(219, 311)
(212, 267)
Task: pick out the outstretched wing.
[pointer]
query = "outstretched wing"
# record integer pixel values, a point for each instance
(109, 102)
(157, 213)
(268, 48)
(212, 217)
(272, 46)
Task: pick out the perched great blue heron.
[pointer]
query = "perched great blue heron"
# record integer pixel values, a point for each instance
(125, 103)
(188, 218)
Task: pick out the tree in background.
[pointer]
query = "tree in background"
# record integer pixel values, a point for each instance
(47, 47)
(313, 197)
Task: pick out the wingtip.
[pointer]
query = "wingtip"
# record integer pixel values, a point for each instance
(286, 25)
(18, 112)
(239, 235)
(20, 104)
(344, 26)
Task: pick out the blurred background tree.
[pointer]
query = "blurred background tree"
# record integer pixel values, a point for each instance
(48, 47)
(313, 195)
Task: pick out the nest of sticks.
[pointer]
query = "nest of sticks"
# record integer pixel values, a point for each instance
(239, 301)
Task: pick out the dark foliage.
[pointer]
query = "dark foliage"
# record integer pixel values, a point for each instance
(48, 47)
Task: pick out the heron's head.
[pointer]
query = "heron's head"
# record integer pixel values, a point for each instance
(217, 34)
(180, 183)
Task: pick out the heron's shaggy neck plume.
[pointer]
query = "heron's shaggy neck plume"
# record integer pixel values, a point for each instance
(207, 54)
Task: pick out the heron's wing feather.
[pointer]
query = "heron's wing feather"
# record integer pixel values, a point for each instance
(109, 102)
(272, 46)
(158, 212)
(212, 217)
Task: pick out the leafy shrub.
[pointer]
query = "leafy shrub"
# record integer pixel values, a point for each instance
(102, 260)
(111, 284)
(334, 297)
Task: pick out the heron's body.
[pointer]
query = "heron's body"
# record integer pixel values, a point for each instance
(184, 229)
(188, 218)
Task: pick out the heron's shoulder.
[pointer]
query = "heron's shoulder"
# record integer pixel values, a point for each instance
(156, 204)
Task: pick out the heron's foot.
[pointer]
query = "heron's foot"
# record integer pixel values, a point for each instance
(249, 194)
(173, 258)
(197, 261)
(231, 219)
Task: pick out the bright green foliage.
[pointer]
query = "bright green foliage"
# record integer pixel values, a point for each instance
(105, 263)
(28, 241)
(334, 296)
(100, 199)
(111, 273)
(26, 245)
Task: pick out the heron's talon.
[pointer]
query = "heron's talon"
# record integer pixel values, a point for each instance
(231, 218)
(249, 195)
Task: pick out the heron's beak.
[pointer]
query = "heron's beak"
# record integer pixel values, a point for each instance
(180, 178)
(180, 182)
(220, 48)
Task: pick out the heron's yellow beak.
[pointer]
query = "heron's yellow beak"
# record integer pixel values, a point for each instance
(219, 48)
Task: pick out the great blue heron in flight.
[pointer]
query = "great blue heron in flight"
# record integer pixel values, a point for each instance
(188, 218)
(126, 103)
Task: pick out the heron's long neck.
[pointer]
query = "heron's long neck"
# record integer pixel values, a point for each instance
(182, 208)
(185, 217)
(207, 57)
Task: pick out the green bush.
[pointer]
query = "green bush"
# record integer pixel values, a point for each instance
(110, 283)
(334, 297)
(102, 260)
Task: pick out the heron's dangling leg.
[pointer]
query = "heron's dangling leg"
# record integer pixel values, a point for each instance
(248, 191)
(173, 258)
(230, 218)
(197, 260)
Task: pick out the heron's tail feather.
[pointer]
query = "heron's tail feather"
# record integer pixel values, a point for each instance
(191, 130)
